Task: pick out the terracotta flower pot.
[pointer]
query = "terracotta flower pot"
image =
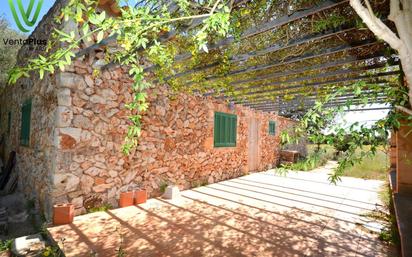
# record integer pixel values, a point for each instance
(140, 196)
(63, 214)
(126, 199)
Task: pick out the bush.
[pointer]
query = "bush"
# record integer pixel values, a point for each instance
(103, 207)
(5, 245)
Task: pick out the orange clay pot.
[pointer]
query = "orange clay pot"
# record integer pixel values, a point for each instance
(126, 199)
(63, 214)
(140, 196)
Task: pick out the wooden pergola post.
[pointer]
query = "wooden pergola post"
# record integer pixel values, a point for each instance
(404, 158)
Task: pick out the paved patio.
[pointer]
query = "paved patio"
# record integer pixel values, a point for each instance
(261, 214)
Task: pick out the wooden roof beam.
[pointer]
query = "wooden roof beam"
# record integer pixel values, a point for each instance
(277, 63)
(271, 49)
(381, 74)
(330, 104)
(317, 76)
(302, 93)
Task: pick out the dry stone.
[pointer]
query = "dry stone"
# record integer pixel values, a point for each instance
(81, 131)
(71, 80)
(80, 121)
(63, 97)
(64, 116)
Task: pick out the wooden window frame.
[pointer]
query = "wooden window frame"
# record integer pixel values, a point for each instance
(226, 134)
(272, 128)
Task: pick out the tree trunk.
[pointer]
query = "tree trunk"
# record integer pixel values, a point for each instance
(401, 15)
(403, 21)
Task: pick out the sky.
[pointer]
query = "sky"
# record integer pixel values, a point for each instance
(47, 4)
(364, 117)
(5, 11)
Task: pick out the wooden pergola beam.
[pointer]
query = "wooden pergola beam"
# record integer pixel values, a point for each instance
(324, 5)
(305, 101)
(317, 76)
(316, 84)
(369, 109)
(338, 63)
(271, 49)
(330, 104)
(303, 93)
(298, 101)
(277, 63)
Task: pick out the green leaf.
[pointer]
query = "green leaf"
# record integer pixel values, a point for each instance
(100, 36)
(41, 73)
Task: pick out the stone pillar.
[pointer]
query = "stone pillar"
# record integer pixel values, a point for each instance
(404, 158)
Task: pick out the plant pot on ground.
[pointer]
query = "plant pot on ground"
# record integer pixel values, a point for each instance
(140, 196)
(126, 199)
(63, 214)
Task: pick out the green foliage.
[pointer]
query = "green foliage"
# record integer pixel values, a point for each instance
(312, 161)
(163, 186)
(375, 167)
(8, 53)
(199, 183)
(52, 251)
(138, 32)
(313, 124)
(103, 207)
(5, 245)
(386, 216)
(330, 22)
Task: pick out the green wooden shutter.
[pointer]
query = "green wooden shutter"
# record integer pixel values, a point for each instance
(225, 128)
(25, 123)
(272, 128)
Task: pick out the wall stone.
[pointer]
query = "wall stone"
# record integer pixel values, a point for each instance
(35, 163)
(78, 126)
(176, 145)
(75, 149)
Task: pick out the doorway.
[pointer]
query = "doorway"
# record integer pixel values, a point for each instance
(253, 159)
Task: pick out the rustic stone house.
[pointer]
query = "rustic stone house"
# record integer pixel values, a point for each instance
(68, 129)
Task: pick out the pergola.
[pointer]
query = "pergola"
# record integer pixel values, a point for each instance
(269, 72)
(287, 59)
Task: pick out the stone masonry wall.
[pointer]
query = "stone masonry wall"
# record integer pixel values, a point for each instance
(35, 162)
(176, 145)
(78, 125)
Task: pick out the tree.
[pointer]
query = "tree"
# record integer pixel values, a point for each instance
(8, 53)
(401, 15)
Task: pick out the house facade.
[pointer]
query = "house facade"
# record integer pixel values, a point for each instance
(68, 129)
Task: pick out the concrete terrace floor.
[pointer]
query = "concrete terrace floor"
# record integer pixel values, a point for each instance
(261, 214)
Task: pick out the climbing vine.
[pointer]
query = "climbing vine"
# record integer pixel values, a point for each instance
(318, 126)
(177, 42)
(138, 31)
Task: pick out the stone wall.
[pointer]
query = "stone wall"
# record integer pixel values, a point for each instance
(176, 145)
(35, 163)
(78, 125)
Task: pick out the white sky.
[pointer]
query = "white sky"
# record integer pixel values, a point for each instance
(363, 117)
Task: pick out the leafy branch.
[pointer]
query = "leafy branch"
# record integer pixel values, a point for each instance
(137, 31)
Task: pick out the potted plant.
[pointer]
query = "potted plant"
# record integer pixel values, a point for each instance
(63, 213)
